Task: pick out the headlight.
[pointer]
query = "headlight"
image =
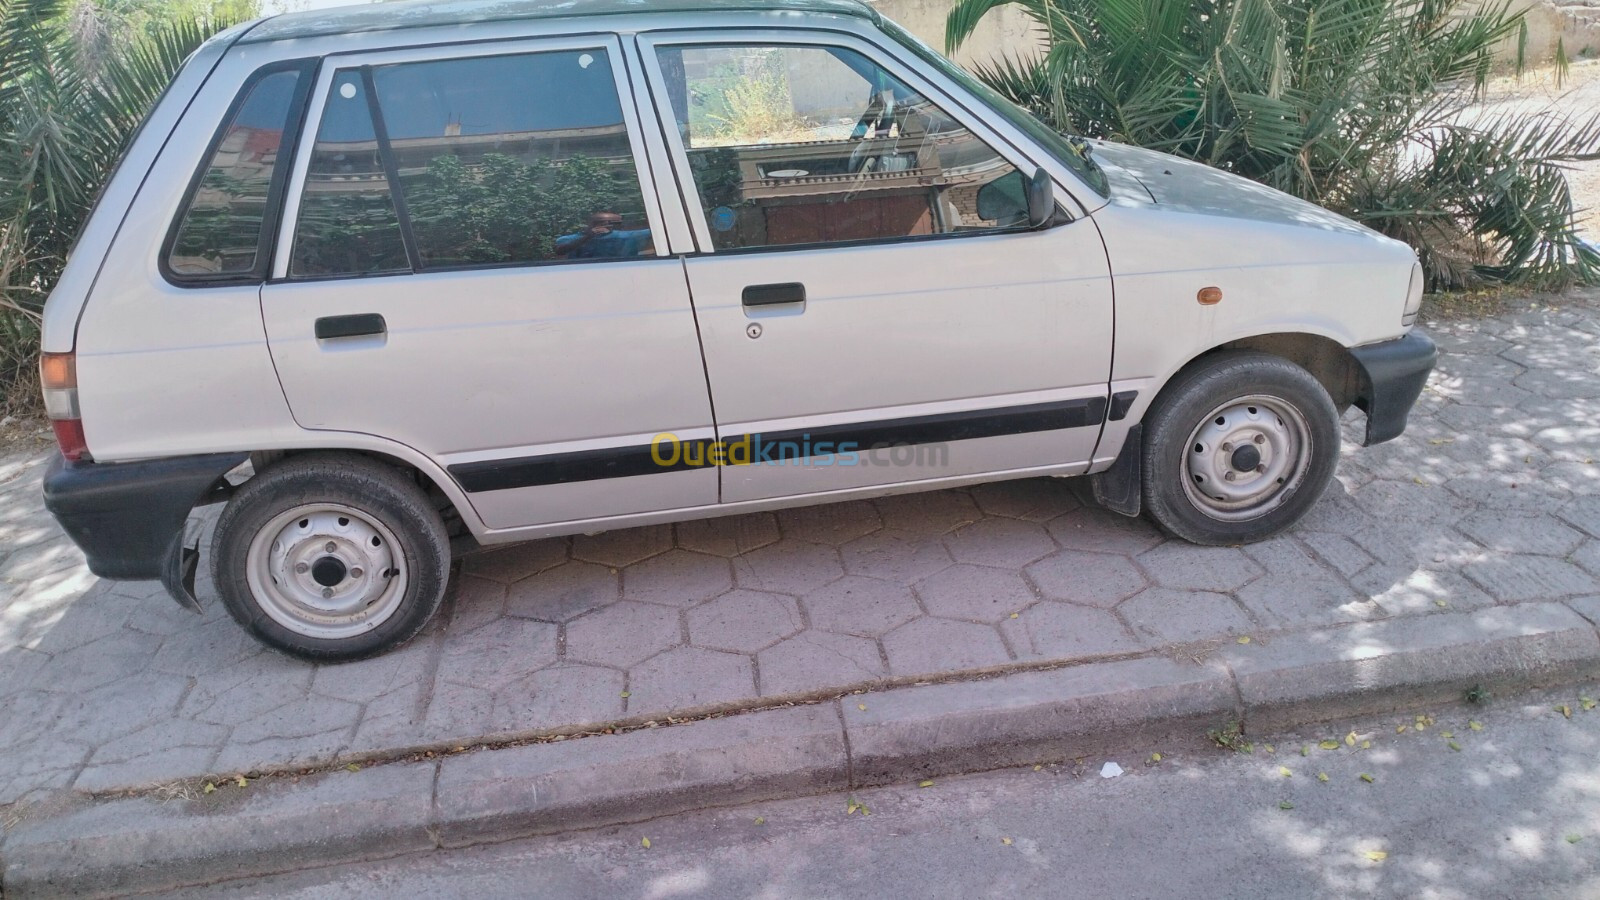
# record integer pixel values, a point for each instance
(1413, 297)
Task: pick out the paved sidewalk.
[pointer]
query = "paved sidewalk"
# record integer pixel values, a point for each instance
(1491, 498)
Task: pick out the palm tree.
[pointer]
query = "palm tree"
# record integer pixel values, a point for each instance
(74, 84)
(1363, 106)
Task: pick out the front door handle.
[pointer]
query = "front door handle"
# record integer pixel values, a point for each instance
(364, 324)
(770, 294)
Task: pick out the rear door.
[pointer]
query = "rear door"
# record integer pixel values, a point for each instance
(474, 262)
(873, 311)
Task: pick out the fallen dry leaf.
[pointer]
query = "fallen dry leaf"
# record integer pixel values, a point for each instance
(1377, 855)
(645, 843)
(1365, 777)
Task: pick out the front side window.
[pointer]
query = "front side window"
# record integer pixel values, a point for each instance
(801, 145)
(482, 161)
(220, 233)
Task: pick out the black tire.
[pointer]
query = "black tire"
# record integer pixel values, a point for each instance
(1205, 389)
(389, 498)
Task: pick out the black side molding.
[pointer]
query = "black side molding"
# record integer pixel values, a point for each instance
(779, 447)
(128, 518)
(1392, 376)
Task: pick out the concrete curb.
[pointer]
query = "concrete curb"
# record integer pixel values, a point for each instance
(144, 844)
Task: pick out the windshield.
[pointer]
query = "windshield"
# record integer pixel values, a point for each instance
(1057, 146)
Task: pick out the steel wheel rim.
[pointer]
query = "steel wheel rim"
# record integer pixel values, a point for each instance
(1246, 457)
(326, 571)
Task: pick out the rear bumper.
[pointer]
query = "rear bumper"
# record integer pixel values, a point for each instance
(1392, 376)
(128, 517)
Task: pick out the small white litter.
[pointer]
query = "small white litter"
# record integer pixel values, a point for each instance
(1110, 770)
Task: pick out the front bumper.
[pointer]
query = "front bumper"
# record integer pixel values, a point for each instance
(1392, 376)
(128, 518)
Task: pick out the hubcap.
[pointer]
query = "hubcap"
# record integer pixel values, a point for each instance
(1244, 458)
(326, 571)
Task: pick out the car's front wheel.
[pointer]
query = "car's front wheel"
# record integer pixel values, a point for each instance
(1238, 447)
(331, 557)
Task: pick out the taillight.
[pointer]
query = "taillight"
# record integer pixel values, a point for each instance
(58, 374)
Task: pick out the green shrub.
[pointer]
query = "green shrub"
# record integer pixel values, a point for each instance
(1362, 106)
(75, 80)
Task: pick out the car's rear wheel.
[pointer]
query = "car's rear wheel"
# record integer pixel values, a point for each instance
(1238, 447)
(331, 557)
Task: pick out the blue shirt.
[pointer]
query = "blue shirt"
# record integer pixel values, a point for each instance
(614, 244)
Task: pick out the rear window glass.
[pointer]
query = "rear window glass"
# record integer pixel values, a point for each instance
(221, 230)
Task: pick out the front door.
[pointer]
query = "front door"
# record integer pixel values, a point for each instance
(873, 307)
(474, 265)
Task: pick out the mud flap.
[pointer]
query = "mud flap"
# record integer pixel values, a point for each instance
(1120, 488)
(180, 565)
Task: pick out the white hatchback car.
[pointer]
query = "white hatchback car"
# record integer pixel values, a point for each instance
(400, 280)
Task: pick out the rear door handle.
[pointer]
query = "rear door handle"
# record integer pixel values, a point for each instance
(329, 327)
(769, 294)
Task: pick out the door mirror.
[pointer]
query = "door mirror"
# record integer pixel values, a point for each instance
(1013, 200)
(1041, 199)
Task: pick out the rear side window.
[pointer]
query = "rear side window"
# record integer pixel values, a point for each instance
(223, 233)
(463, 163)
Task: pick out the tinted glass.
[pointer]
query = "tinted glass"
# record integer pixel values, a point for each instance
(347, 223)
(501, 160)
(814, 145)
(221, 229)
(514, 159)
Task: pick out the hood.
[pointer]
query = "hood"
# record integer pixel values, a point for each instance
(1144, 176)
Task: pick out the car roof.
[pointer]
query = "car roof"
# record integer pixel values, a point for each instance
(395, 14)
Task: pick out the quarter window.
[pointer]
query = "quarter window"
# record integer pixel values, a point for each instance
(482, 161)
(220, 233)
(800, 145)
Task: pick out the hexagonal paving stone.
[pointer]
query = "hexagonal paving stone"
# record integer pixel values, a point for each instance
(928, 512)
(1583, 513)
(1187, 567)
(518, 561)
(928, 646)
(499, 653)
(1588, 557)
(1409, 591)
(622, 634)
(99, 662)
(1538, 533)
(830, 523)
(895, 555)
(689, 678)
(1093, 579)
(1513, 579)
(744, 621)
(1052, 630)
(1033, 499)
(1407, 501)
(1008, 543)
(677, 578)
(622, 547)
(564, 694)
(728, 535)
(865, 606)
(1176, 617)
(1102, 530)
(789, 566)
(975, 593)
(819, 660)
(1338, 551)
(478, 602)
(563, 593)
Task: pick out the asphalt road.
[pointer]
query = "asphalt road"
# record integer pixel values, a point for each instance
(1515, 812)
